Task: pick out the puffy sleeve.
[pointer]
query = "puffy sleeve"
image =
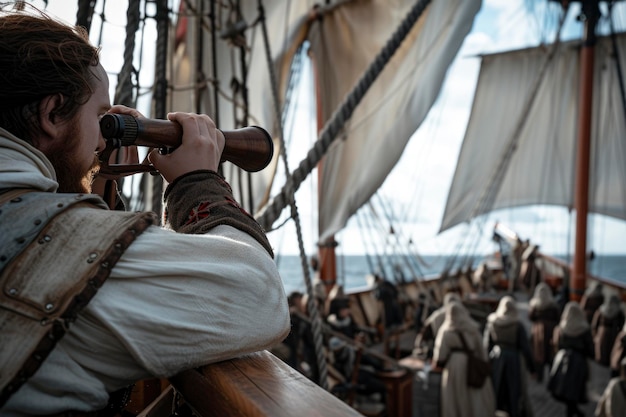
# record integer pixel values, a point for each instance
(176, 301)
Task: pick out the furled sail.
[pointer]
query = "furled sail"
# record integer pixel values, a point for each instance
(541, 170)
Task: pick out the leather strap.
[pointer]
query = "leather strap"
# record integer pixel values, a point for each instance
(43, 293)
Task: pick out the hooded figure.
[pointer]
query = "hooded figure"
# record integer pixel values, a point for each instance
(607, 322)
(543, 313)
(570, 370)
(457, 398)
(613, 400)
(509, 352)
(425, 339)
(618, 353)
(592, 299)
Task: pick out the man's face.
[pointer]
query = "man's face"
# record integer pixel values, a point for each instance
(75, 158)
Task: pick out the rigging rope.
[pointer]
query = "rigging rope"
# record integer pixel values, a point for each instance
(329, 133)
(160, 87)
(124, 87)
(311, 300)
(84, 15)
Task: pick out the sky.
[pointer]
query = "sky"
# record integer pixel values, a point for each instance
(500, 25)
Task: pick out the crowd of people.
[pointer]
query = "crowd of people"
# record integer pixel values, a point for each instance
(553, 346)
(560, 343)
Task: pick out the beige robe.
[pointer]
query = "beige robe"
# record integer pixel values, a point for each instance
(613, 400)
(457, 399)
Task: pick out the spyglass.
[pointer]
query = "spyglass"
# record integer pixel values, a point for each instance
(250, 148)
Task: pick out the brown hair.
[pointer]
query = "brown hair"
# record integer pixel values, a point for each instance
(39, 57)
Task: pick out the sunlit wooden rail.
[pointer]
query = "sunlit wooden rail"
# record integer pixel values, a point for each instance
(256, 385)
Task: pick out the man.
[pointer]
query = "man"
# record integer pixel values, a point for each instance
(94, 300)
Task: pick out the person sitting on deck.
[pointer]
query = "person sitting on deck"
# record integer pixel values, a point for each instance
(507, 343)
(543, 313)
(613, 400)
(606, 324)
(425, 339)
(343, 322)
(358, 370)
(573, 343)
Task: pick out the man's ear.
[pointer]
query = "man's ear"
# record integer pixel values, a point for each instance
(51, 124)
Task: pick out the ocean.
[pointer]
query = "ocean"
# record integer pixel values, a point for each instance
(352, 270)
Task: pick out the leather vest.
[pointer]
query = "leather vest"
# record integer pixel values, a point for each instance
(56, 250)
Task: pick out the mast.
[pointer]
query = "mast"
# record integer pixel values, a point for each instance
(327, 258)
(590, 14)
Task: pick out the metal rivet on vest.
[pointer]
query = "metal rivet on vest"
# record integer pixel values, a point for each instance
(13, 291)
(92, 257)
(105, 265)
(47, 238)
(44, 322)
(49, 306)
(38, 222)
(118, 246)
(16, 200)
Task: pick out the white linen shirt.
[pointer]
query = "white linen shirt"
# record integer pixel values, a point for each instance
(172, 302)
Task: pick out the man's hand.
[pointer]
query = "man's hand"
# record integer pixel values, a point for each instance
(201, 147)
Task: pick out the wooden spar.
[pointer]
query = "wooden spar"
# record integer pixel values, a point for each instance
(327, 259)
(591, 13)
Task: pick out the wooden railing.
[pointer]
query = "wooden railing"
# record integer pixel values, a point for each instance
(256, 385)
(559, 264)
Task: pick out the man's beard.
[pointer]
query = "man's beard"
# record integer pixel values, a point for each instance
(72, 178)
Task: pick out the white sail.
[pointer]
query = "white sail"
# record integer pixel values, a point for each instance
(542, 167)
(344, 44)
